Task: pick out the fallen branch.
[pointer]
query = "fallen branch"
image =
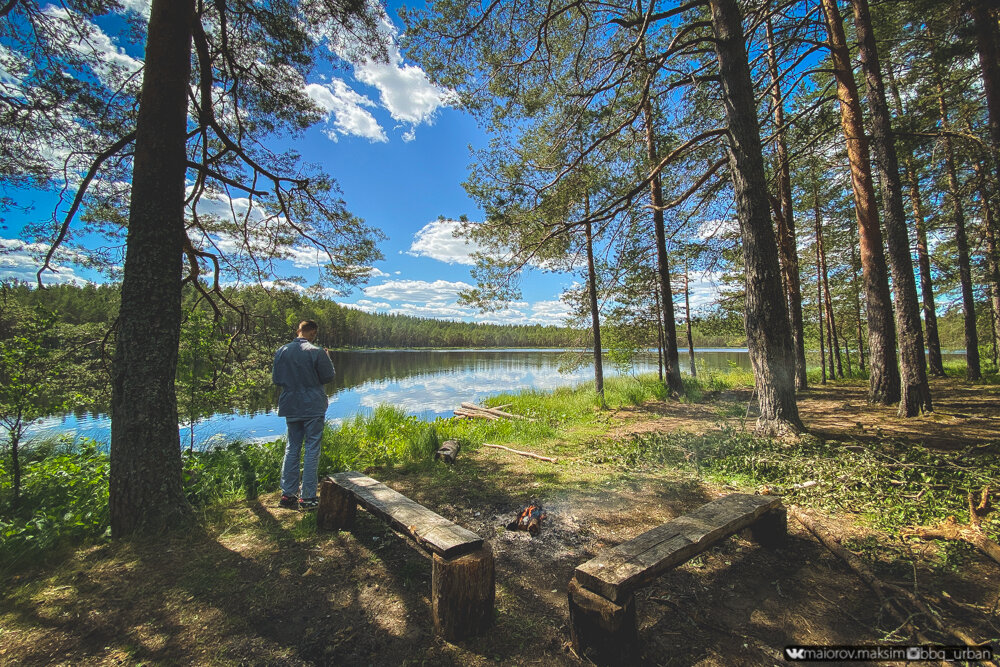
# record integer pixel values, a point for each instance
(475, 414)
(881, 588)
(971, 533)
(528, 454)
(497, 412)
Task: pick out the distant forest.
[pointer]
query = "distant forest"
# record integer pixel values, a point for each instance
(269, 317)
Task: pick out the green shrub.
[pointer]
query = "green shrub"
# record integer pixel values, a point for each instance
(64, 498)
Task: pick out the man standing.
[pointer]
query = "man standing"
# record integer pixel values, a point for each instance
(301, 369)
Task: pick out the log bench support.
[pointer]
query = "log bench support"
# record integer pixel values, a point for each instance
(463, 580)
(601, 593)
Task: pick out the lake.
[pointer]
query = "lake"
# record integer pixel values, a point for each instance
(425, 383)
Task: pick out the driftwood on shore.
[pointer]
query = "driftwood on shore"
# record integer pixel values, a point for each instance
(473, 411)
(519, 452)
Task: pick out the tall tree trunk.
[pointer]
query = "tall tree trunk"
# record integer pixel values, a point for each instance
(595, 314)
(787, 247)
(987, 38)
(670, 362)
(973, 373)
(935, 365)
(883, 378)
(915, 394)
(687, 311)
(857, 300)
(820, 304)
(831, 321)
(145, 479)
(659, 332)
(847, 353)
(769, 336)
(992, 253)
(826, 300)
(15, 460)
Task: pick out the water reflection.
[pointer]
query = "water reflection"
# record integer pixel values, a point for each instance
(426, 383)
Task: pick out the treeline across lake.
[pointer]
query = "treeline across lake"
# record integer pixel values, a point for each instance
(269, 317)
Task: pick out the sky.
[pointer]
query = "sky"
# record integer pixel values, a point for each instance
(399, 150)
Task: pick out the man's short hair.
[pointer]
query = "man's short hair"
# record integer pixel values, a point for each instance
(308, 325)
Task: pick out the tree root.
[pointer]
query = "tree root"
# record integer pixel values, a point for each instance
(971, 533)
(891, 597)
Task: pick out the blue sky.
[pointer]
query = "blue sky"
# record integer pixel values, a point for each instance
(399, 151)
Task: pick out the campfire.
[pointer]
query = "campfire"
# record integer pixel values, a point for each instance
(530, 519)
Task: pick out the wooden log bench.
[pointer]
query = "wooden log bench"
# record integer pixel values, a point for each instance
(601, 592)
(462, 572)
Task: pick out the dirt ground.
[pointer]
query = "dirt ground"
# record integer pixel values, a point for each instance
(263, 587)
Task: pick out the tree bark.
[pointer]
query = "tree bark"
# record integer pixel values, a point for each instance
(15, 456)
(883, 378)
(915, 394)
(145, 480)
(992, 253)
(671, 362)
(935, 365)
(857, 302)
(992, 266)
(595, 314)
(826, 301)
(463, 591)
(987, 37)
(687, 311)
(787, 247)
(769, 336)
(659, 332)
(973, 372)
(819, 307)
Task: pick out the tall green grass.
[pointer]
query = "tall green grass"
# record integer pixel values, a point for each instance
(385, 437)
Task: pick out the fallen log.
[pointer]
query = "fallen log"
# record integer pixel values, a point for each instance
(970, 533)
(894, 606)
(520, 453)
(493, 411)
(448, 451)
(475, 414)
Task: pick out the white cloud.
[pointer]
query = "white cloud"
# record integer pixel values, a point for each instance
(713, 229)
(404, 89)
(437, 240)
(21, 261)
(110, 62)
(439, 300)
(416, 291)
(141, 7)
(704, 291)
(346, 107)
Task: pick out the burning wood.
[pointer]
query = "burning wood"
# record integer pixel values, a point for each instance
(530, 519)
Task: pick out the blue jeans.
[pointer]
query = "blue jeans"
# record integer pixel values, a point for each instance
(307, 432)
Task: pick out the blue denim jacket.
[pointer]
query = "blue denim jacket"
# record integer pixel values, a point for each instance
(301, 369)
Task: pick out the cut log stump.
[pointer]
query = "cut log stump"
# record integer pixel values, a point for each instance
(337, 507)
(462, 593)
(448, 451)
(604, 631)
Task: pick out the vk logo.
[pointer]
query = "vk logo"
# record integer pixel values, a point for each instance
(794, 653)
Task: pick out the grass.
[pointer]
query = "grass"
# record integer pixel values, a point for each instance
(65, 483)
(891, 485)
